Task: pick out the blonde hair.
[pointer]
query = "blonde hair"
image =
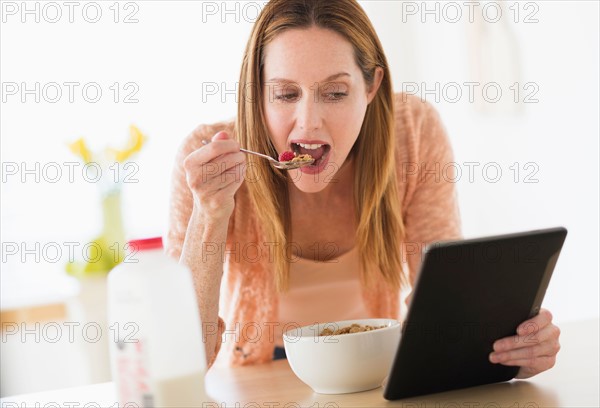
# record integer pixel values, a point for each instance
(380, 229)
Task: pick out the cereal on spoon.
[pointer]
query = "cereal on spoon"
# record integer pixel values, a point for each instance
(287, 157)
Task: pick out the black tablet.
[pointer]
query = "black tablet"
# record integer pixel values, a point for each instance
(468, 294)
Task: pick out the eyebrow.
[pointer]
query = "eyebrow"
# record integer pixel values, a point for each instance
(329, 78)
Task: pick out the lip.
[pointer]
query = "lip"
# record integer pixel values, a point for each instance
(308, 141)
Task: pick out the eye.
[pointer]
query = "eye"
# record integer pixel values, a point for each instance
(333, 91)
(335, 96)
(286, 93)
(286, 97)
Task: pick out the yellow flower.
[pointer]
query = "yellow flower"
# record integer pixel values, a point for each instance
(80, 149)
(134, 145)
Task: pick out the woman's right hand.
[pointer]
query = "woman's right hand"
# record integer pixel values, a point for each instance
(214, 173)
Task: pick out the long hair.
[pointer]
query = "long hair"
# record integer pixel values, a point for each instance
(380, 230)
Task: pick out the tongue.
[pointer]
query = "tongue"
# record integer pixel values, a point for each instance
(315, 153)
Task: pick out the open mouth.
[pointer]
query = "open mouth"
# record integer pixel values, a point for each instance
(318, 151)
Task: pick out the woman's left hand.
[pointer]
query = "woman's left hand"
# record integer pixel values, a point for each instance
(534, 347)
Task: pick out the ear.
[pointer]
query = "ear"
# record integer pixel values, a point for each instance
(377, 78)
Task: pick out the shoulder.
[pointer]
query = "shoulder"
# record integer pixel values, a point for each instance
(420, 133)
(410, 107)
(416, 119)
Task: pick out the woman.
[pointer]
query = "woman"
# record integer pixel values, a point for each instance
(335, 240)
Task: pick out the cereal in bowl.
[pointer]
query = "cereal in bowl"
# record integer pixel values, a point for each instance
(353, 328)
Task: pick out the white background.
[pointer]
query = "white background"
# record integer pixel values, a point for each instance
(178, 50)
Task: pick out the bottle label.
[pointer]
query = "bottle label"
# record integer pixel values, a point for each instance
(133, 376)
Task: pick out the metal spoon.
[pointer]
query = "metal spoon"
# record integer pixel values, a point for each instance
(289, 165)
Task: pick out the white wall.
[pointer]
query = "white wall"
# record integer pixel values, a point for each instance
(558, 57)
(177, 50)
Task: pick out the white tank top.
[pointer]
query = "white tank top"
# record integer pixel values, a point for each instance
(321, 292)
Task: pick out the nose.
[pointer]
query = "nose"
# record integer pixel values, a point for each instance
(309, 114)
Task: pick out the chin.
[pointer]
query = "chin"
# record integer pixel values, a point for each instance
(314, 182)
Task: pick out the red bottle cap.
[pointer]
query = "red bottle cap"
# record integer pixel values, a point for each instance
(145, 244)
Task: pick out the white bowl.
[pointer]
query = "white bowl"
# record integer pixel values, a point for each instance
(344, 363)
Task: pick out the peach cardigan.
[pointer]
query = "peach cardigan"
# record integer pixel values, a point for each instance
(249, 298)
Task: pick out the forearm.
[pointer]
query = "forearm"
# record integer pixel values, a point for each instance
(203, 254)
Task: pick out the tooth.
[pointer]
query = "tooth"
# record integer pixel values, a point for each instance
(309, 146)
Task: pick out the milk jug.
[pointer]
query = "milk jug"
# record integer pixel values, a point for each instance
(156, 348)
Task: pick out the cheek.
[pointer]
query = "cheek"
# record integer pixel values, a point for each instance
(345, 124)
(279, 125)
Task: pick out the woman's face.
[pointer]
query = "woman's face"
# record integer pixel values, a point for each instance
(315, 99)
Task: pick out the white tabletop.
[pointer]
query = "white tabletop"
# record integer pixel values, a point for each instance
(573, 382)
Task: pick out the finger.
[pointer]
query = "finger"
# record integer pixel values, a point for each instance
(515, 342)
(214, 184)
(222, 135)
(212, 175)
(528, 332)
(218, 144)
(213, 160)
(408, 299)
(542, 319)
(547, 343)
(216, 149)
(546, 348)
(203, 177)
(227, 162)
